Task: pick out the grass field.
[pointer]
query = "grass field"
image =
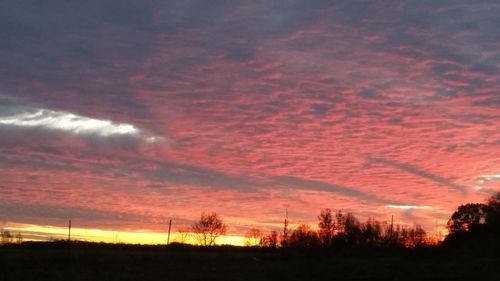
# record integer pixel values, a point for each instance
(92, 261)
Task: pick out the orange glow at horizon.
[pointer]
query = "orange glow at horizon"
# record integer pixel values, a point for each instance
(32, 232)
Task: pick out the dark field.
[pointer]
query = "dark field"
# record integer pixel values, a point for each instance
(91, 261)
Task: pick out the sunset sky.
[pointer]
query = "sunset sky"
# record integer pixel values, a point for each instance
(121, 115)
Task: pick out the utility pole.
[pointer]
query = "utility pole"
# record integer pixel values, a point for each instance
(392, 225)
(169, 227)
(284, 243)
(69, 231)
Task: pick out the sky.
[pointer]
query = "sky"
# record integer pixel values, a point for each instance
(122, 115)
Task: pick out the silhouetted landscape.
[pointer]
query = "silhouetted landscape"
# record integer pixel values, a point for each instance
(249, 140)
(340, 249)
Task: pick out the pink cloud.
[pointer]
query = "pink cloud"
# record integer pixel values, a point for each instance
(356, 107)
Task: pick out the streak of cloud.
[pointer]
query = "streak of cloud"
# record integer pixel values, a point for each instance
(306, 184)
(421, 173)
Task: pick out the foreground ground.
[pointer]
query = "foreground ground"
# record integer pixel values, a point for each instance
(89, 261)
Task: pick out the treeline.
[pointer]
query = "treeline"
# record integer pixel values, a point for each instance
(7, 238)
(476, 223)
(336, 229)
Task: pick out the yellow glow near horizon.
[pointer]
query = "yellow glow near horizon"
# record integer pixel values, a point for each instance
(147, 237)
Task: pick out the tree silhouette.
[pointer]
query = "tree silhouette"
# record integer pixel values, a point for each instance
(352, 229)
(476, 226)
(411, 236)
(253, 237)
(208, 229)
(304, 236)
(19, 238)
(340, 221)
(326, 227)
(371, 233)
(467, 216)
(270, 240)
(493, 214)
(6, 237)
(183, 235)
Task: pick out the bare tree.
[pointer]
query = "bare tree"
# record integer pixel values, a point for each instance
(116, 238)
(253, 237)
(326, 227)
(304, 236)
(285, 234)
(19, 238)
(340, 221)
(183, 235)
(208, 228)
(270, 240)
(371, 232)
(416, 237)
(352, 229)
(6, 237)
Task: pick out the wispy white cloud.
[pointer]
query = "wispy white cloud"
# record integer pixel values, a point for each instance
(68, 122)
(484, 180)
(408, 207)
(75, 124)
(489, 177)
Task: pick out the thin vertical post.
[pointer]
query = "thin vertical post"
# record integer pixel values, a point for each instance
(169, 228)
(69, 231)
(285, 230)
(392, 225)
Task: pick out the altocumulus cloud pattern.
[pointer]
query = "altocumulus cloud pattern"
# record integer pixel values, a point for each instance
(121, 114)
